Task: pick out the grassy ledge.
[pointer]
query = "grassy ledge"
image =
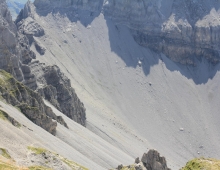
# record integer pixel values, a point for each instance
(9, 165)
(71, 164)
(38, 168)
(37, 150)
(202, 164)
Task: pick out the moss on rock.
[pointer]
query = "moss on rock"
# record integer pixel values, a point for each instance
(202, 164)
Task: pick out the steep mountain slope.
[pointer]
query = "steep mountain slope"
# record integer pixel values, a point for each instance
(135, 98)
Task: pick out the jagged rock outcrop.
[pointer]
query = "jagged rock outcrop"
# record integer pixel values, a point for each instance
(15, 55)
(149, 161)
(55, 87)
(29, 28)
(15, 52)
(153, 161)
(29, 102)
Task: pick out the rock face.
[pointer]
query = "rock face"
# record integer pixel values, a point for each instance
(56, 88)
(15, 55)
(53, 85)
(14, 49)
(94, 5)
(29, 102)
(184, 30)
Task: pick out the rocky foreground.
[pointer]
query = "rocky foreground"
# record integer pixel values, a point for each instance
(149, 161)
(153, 161)
(38, 159)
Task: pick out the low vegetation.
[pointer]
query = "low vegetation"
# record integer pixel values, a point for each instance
(202, 164)
(10, 165)
(37, 150)
(7, 163)
(4, 153)
(38, 168)
(71, 164)
(3, 115)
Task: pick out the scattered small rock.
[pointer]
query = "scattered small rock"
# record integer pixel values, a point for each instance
(137, 160)
(120, 167)
(139, 63)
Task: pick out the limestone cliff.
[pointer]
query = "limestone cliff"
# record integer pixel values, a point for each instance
(53, 85)
(184, 30)
(15, 55)
(14, 49)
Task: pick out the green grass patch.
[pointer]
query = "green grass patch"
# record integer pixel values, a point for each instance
(7, 166)
(3, 115)
(37, 150)
(6, 74)
(73, 165)
(38, 168)
(5, 153)
(202, 164)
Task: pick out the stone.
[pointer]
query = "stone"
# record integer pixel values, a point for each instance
(39, 47)
(153, 161)
(138, 167)
(137, 160)
(120, 167)
(30, 27)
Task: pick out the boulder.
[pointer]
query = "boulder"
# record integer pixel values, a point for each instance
(153, 161)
